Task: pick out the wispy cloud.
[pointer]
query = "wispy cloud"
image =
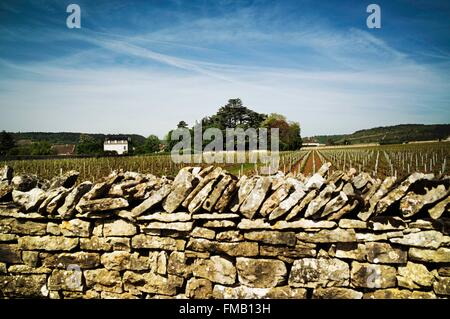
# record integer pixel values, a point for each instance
(330, 79)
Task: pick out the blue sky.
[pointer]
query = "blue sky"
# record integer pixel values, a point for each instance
(142, 66)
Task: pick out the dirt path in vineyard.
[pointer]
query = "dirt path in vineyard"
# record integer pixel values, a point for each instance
(309, 166)
(296, 167)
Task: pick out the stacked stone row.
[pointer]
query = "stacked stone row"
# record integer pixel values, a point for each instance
(207, 234)
(271, 198)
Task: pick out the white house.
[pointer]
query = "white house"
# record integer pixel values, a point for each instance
(311, 144)
(119, 145)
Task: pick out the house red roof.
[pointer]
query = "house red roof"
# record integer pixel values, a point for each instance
(64, 149)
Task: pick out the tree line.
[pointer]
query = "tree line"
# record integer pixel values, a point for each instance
(235, 115)
(232, 115)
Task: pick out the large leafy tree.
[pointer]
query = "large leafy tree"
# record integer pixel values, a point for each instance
(182, 124)
(152, 144)
(289, 132)
(6, 143)
(170, 143)
(41, 148)
(295, 139)
(88, 145)
(234, 114)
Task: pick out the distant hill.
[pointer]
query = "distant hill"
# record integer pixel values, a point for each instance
(388, 134)
(69, 138)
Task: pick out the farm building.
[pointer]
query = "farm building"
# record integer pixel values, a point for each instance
(63, 149)
(118, 144)
(313, 144)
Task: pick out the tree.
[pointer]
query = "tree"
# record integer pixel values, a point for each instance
(182, 124)
(41, 148)
(278, 121)
(295, 139)
(88, 145)
(6, 142)
(289, 132)
(274, 117)
(151, 144)
(168, 141)
(233, 115)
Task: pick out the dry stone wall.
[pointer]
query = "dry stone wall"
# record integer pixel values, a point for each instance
(207, 234)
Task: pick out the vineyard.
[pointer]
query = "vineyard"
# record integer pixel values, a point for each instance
(95, 168)
(379, 161)
(391, 160)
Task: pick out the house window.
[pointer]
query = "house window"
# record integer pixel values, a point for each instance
(124, 148)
